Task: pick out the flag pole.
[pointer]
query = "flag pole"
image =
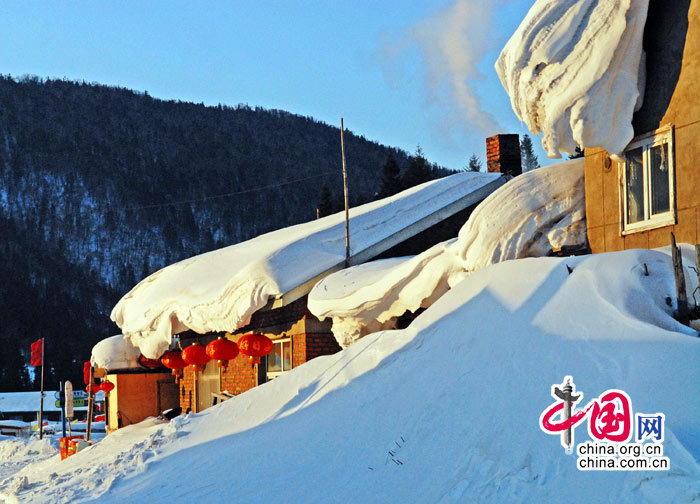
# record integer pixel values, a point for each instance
(41, 397)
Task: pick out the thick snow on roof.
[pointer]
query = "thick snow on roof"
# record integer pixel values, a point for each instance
(115, 352)
(575, 72)
(220, 290)
(446, 410)
(17, 402)
(368, 298)
(533, 214)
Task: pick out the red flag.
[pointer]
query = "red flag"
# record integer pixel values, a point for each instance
(37, 358)
(86, 372)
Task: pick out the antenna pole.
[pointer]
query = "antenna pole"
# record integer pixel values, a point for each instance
(345, 190)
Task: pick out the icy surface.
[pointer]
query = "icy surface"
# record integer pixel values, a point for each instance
(115, 352)
(220, 290)
(574, 70)
(432, 397)
(533, 214)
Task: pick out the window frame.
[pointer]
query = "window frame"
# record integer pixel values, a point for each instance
(274, 374)
(663, 135)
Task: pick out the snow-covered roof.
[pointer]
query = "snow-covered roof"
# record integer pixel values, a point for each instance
(115, 352)
(21, 402)
(530, 216)
(220, 290)
(575, 71)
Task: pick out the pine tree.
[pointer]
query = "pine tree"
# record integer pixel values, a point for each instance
(474, 164)
(325, 204)
(527, 153)
(418, 171)
(391, 183)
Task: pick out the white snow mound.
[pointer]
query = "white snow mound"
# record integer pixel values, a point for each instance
(444, 411)
(220, 290)
(537, 212)
(533, 214)
(115, 352)
(575, 71)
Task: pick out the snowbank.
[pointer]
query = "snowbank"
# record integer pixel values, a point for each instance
(115, 352)
(220, 290)
(533, 214)
(444, 411)
(574, 70)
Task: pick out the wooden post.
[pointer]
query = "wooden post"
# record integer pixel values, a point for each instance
(196, 391)
(90, 406)
(41, 394)
(345, 190)
(683, 315)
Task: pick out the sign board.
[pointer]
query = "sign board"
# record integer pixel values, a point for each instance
(77, 403)
(69, 399)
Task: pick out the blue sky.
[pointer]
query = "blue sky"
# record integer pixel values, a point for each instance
(395, 70)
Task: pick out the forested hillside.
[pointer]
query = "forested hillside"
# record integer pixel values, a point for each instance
(100, 186)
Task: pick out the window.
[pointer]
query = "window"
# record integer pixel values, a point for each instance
(280, 359)
(648, 193)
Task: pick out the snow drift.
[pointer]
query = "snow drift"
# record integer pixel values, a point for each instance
(535, 213)
(220, 290)
(532, 215)
(444, 411)
(575, 72)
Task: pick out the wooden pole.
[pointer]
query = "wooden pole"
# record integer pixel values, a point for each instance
(41, 395)
(345, 191)
(683, 315)
(90, 406)
(196, 391)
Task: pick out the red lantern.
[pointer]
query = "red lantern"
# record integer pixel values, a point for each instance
(173, 360)
(92, 389)
(222, 350)
(149, 363)
(107, 386)
(196, 355)
(255, 345)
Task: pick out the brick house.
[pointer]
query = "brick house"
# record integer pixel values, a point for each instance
(656, 189)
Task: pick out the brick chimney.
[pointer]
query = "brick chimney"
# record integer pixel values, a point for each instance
(503, 154)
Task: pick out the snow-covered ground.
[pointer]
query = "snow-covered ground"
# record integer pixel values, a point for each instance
(445, 411)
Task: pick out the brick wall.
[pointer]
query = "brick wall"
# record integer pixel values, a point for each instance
(310, 338)
(503, 154)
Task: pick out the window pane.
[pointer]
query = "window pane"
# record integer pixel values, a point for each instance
(274, 359)
(287, 352)
(635, 185)
(659, 179)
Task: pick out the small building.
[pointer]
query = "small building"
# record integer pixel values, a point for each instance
(141, 388)
(262, 285)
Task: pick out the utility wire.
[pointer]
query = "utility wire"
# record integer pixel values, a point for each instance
(225, 195)
(195, 200)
